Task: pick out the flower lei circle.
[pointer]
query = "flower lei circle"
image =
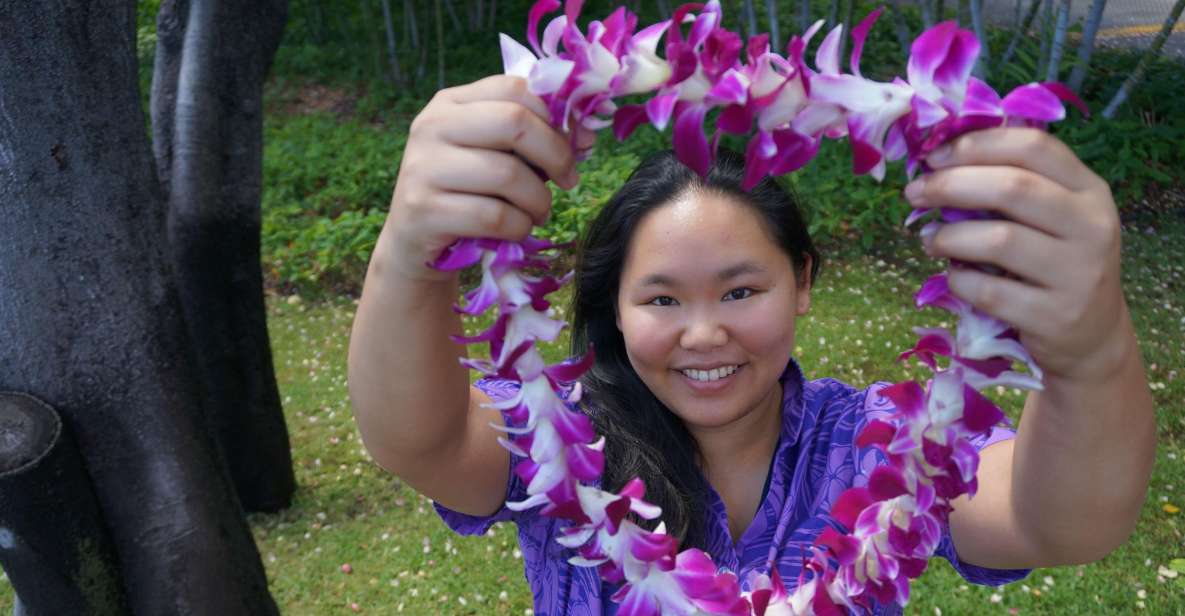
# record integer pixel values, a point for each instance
(886, 531)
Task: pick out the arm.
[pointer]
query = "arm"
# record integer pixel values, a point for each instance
(464, 173)
(1070, 487)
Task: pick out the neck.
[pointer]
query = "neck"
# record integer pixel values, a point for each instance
(744, 444)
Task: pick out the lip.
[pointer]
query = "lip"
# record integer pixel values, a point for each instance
(709, 387)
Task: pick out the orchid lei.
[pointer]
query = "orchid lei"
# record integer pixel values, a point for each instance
(887, 530)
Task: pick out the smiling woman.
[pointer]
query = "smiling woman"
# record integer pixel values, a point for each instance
(679, 277)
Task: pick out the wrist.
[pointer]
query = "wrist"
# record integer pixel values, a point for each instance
(1117, 356)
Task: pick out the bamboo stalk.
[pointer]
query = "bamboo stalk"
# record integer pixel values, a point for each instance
(1086, 46)
(1020, 32)
(1059, 40)
(981, 67)
(1137, 77)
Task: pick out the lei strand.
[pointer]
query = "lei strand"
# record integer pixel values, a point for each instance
(887, 530)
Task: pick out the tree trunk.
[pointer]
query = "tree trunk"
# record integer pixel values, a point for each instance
(1134, 80)
(452, 15)
(208, 123)
(1046, 34)
(89, 314)
(1086, 46)
(833, 15)
(664, 9)
(750, 17)
(775, 36)
(901, 27)
(1020, 32)
(927, 7)
(53, 543)
(392, 47)
(1059, 40)
(804, 15)
(440, 45)
(981, 68)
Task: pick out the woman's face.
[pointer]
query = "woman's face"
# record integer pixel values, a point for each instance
(707, 306)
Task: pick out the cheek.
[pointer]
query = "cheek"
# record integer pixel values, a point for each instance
(648, 340)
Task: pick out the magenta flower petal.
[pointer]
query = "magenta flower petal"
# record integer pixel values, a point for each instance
(585, 463)
(735, 119)
(659, 109)
(982, 100)
(876, 432)
(979, 413)
(538, 10)
(1034, 102)
(626, 119)
(859, 33)
(886, 482)
(690, 144)
(827, 57)
(635, 601)
(908, 397)
(731, 88)
(849, 505)
(1066, 95)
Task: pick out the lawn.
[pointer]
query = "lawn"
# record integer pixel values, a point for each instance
(402, 559)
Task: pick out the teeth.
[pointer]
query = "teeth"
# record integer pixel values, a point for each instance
(714, 374)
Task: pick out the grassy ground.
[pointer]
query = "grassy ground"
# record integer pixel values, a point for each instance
(402, 558)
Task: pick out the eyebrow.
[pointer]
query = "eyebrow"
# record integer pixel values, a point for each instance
(728, 273)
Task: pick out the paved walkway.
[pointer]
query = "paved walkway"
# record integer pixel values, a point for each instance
(1128, 23)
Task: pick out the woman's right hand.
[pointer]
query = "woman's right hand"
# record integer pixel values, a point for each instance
(465, 171)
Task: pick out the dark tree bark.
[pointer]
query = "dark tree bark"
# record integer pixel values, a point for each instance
(440, 44)
(392, 47)
(89, 315)
(901, 27)
(207, 109)
(53, 543)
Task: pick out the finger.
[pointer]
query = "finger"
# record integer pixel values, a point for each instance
(1029, 148)
(1022, 251)
(500, 125)
(495, 174)
(1021, 305)
(468, 215)
(507, 88)
(1018, 194)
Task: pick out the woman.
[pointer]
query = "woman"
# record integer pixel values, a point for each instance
(688, 289)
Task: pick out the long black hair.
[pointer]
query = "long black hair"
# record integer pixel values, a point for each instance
(643, 438)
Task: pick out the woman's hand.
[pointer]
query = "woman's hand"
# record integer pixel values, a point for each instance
(467, 171)
(1058, 239)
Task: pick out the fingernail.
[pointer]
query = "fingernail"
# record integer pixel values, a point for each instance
(940, 155)
(572, 178)
(913, 190)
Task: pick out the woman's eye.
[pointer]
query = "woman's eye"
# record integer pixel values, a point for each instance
(662, 300)
(736, 294)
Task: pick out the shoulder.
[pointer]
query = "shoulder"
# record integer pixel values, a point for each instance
(829, 397)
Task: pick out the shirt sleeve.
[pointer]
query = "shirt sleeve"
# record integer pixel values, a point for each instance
(498, 390)
(877, 407)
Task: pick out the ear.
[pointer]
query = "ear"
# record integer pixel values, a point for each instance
(803, 294)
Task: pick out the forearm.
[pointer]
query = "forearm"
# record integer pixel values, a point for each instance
(1083, 458)
(408, 390)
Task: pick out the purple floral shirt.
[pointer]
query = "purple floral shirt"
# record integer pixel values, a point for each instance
(816, 460)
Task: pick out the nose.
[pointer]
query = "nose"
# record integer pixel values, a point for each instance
(703, 332)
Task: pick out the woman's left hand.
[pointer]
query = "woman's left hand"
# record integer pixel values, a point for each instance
(1058, 240)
